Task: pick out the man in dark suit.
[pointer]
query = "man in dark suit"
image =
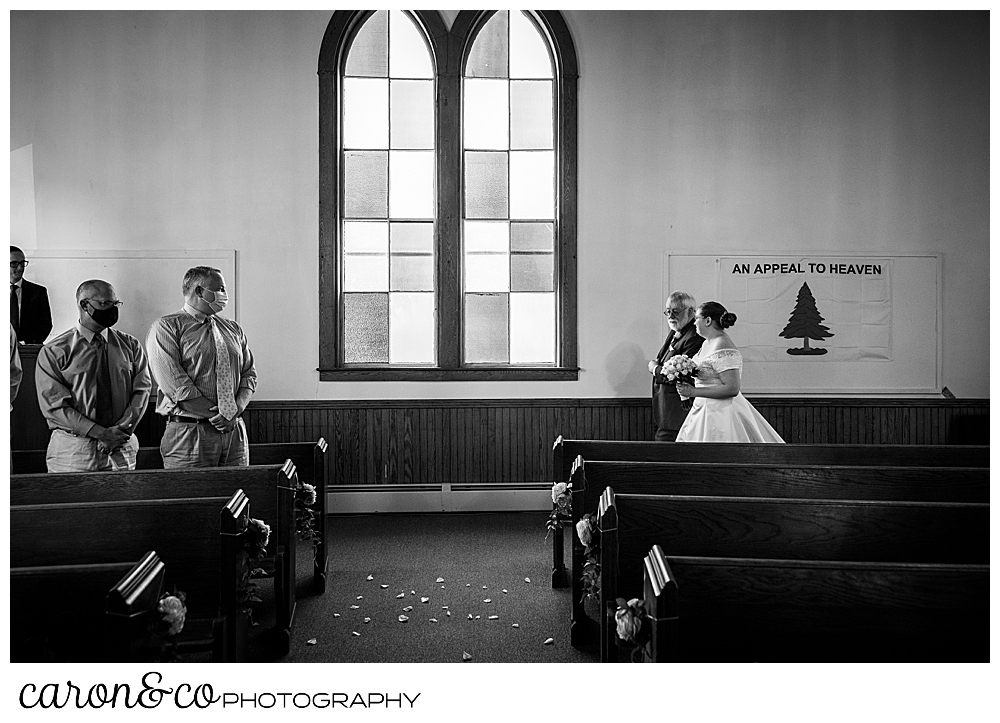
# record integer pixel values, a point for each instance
(668, 412)
(29, 303)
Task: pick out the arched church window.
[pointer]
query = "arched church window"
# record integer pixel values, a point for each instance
(447, 197)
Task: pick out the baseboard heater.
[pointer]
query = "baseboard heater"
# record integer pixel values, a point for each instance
(446, 497)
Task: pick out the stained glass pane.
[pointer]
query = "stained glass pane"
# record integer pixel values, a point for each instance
(531, 237)
(486, 185)
(529, 55)
(487, 272)
(486, 236)
(532, 329)
(530, 114)
(488, 57)
(366, 237)
(366, 184)
(486, 328)
(486, 114)
(531, 184)
(366, 113)
(411, 184)
(412, 237)
(411, 328)
(412, 273)
(369, 54)
(408, 54)
(411, 112)
(366, 328)
(366, 273)
(366, 256)
(531, 272)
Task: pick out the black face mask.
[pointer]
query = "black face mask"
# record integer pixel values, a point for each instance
(105, 317)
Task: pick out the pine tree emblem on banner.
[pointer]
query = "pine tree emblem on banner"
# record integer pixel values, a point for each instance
(805, 324)
(808, 308)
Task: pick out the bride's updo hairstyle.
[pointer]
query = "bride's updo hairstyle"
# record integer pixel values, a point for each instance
(717, 312)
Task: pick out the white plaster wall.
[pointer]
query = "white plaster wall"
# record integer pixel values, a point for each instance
(724, 131)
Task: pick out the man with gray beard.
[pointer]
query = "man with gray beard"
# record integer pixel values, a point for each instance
(668, 411)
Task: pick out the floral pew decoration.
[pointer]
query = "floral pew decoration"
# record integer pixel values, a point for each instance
(306, 516)
(562, 507)
(590, 537)
(255, 540)
(633, 627)
(171, 613)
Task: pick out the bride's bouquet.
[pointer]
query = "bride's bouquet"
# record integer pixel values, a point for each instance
(680, 369)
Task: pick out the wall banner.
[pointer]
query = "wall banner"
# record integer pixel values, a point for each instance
(815, 308)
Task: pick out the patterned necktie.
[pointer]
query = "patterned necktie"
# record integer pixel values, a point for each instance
(104, 407)
(15, 311)
(223, 373)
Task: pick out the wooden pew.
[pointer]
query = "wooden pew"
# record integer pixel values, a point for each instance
(57, 611)
(310, 459)
(311, 465)
(705, 609)
(565, 452)
(782, 529)
(272, 487)
(56, 546)
(132, 603)
(590, 479)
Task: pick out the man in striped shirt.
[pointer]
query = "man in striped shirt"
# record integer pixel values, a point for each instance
(93, 384)
(205, 375)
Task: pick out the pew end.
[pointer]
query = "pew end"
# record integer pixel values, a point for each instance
(132, 613)
(660, 593)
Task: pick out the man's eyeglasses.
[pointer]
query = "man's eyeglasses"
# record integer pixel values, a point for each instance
(672, 313)
(15, 264)
(105, 304)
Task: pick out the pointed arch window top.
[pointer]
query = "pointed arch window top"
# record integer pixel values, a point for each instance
(509, 45)
(372, 55)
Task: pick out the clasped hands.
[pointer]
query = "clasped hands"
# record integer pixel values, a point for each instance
(220, 422)
(111, 439)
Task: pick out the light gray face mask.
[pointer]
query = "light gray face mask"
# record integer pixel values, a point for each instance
(219, 300)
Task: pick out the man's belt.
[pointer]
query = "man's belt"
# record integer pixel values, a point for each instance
(186, 420)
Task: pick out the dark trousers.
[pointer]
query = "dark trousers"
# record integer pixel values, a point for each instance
(665, 435)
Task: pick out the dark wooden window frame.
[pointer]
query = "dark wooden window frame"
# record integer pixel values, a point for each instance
(448, 50)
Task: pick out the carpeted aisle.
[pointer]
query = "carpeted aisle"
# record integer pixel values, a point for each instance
(490, 564)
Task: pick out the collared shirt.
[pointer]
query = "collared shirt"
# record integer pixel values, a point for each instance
(66, 379)
(181, 349)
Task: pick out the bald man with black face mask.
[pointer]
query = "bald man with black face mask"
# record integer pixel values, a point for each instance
(93, 384)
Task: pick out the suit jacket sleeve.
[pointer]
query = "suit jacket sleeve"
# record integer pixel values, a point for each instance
(44, 314)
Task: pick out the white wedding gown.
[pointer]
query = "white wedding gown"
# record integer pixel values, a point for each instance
(723, 420)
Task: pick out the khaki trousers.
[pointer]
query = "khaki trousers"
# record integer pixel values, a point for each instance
(202, 445)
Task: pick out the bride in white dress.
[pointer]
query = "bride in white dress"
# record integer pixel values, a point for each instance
(720, 413)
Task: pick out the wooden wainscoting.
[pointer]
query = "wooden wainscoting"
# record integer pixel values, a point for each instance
(510, 440)
(480, 441)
